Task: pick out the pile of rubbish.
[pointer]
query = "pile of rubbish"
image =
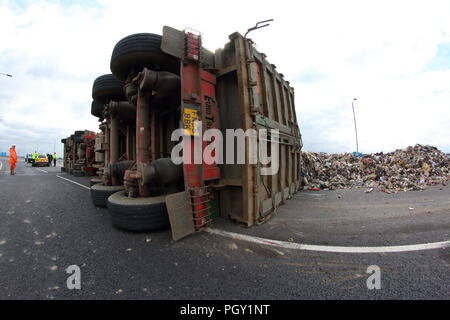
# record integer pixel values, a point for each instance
(413, 168)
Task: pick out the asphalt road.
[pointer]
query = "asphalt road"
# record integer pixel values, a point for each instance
(48, 224)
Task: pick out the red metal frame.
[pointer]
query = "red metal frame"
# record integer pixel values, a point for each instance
(198, 90)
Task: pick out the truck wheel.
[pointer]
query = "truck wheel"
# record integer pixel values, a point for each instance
(97, 108)
(138, 214)
(140, 50)
(100, 193)
(95, 181)
(71, 171)
(63, 169)
(78, 173)
(106, 88)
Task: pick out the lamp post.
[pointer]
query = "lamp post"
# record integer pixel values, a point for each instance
(356, 130)
(6, 74)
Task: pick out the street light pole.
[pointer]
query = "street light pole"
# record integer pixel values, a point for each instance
(6, 74)
(356, 130)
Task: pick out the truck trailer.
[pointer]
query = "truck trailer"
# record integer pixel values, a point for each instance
(170, 114)
(78, 156)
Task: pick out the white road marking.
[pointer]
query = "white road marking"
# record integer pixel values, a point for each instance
(338, 249)
(78, 184)
(1, 165)
(42, 170)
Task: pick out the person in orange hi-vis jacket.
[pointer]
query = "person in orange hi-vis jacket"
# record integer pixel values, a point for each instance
(12, 158)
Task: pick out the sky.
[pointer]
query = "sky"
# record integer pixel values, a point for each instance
(392, 56)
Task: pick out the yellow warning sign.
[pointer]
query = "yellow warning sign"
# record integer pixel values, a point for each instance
(191, 121)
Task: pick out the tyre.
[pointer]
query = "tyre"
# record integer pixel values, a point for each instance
(136, 51)
(100, 193)
(63, 169)
(107, 87)
(71, 171)
(138, 214)
(63, 140)
(78, 173)
(95, 181)
(97, 108)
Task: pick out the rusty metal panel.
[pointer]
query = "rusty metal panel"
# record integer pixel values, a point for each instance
(251, 94)
(266, 206)
(278, 199)
(292, 188)
(208, 59)
(286, 193)
(180, 214)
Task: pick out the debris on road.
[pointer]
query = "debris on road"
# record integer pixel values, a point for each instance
(413, 168)
(51, 235)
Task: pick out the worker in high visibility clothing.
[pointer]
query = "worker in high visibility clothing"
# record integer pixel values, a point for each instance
(35, 155)
(12, 159)
(54, 159)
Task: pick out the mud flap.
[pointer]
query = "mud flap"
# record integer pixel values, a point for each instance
(180, 214)
(173, 42)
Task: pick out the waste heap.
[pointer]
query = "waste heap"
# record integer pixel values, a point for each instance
(408, 169)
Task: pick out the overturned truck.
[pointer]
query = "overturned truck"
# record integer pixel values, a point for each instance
(170, 114)
(79, 157)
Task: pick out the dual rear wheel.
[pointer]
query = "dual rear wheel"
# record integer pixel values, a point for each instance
(131, 214)
(130, 56)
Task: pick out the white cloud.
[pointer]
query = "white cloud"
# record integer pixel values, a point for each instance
(375, 51)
